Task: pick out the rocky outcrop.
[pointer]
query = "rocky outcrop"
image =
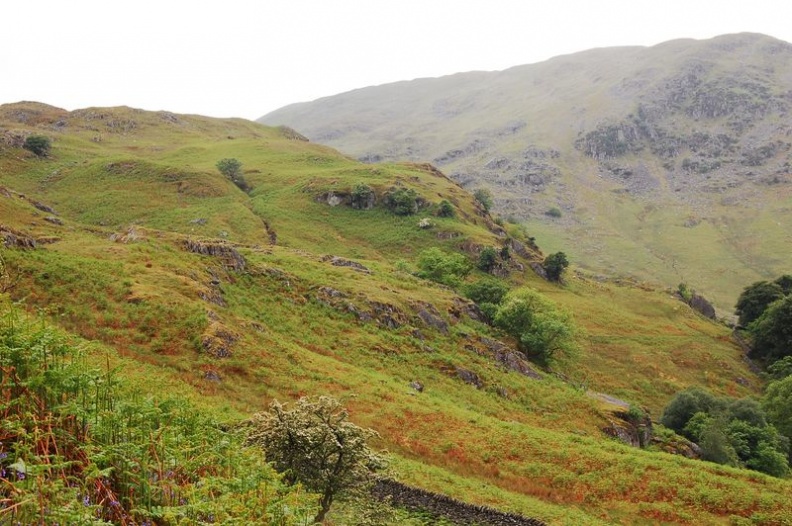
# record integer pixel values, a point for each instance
(229, 257)
(700, 304)
(504, 355)
(445, 507)
(631, 428)
(469, 377)
(678, 445)
(462, 307)
(218, 341)
(430, 317)
(341, 262)
(16, 239)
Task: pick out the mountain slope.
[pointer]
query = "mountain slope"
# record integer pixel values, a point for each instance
(662, 162)
(126, 234)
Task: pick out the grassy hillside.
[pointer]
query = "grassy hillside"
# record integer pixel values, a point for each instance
(663, 163)
(239, 298)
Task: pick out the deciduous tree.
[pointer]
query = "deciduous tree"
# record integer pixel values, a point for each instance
(315, 444)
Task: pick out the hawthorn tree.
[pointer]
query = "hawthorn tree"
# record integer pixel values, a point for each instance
(232, 169)
(316, 445)
(554, 266)
(488, 258)
(484, 197)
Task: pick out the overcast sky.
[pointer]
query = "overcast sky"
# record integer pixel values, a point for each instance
(240, 58)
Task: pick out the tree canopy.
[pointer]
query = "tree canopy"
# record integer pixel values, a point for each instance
(755, 298)
(316, 445)
(554, 266)
(542, 330)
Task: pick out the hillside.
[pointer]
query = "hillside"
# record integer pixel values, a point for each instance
(126, 235)
(661, 163)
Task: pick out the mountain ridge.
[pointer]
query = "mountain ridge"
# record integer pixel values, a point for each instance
(628, 143)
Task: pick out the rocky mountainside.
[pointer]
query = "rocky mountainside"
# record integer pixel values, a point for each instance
(307, 273)
(665, 162)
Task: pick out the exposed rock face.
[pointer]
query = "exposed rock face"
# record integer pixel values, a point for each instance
(218, 341)
(636, 432)
(679, 446)
(341, 262)
(708, 128)
(15, 239)
(43, 207)
(418, 386)
(469, 377)
(443, 506)
(428, 314)
(701, 305)
(463, 307)
(504, 355)
(230, 258)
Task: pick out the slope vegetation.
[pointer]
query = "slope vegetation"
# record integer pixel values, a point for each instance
(127, 235)
(662, 163)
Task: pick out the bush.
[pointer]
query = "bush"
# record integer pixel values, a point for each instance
(755, 298)
(685, 405)
(777, 403)
(232, 169)
(733, 432)
(484, 198)
(542, 331)
(314, 444)
(554, 266)
(402, 201)
(445, 268)
(780, 369)
(488, 258)
(445, 209)
(487, 290)
(554, 212)
(38, 144)
(362, 197)
(772, 331)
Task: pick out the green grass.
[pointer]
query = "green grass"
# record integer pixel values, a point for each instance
(531, 446)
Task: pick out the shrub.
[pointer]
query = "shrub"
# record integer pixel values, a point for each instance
(38, 144)
(755, 298)
(445, 209)
(685, 292)
(733, 432)
(542, 331)
(780, 369)
(554, 212)
(777, 403)
(362, 197)
(484, 198)
(488, 258)
(402, 201)
(445, 268)
(232, 169)
(772, 331)
(554, 266)
(487, 290)
(316, 445)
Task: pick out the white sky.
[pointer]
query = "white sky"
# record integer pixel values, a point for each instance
(244, 58)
